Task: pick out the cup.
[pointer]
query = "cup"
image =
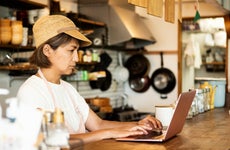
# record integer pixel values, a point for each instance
(164, 113)
(24, 36)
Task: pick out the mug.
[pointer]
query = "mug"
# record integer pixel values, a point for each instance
(164, 113)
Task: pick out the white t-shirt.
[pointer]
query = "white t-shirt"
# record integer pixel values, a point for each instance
(36, 93)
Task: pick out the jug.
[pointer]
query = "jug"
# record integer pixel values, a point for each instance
(212, 92)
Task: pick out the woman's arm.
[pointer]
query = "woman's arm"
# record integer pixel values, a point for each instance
(96, 123)
(103, 129)
(108, 134)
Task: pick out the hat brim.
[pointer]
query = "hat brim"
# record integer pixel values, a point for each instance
(84, 41)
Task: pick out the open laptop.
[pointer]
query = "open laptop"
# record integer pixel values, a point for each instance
(176, 125)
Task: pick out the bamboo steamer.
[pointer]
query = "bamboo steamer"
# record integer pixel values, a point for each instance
(106, 109)
(17, 32)
(100, 101)
(103, 103)
(5, 22)
(6, 34)
(5, 31)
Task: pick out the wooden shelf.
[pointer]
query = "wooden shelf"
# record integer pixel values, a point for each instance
(214, 63)
(19, 66)
(16, 48)
(22, 4)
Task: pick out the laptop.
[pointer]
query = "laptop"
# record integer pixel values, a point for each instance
(176, 125)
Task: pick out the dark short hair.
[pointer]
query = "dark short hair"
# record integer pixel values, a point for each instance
(39, 59)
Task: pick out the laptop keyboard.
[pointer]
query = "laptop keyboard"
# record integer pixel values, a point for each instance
(149, 135)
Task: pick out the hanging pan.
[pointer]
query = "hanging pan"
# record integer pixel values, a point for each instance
(163, 80)
(140, 84)
(138, 65)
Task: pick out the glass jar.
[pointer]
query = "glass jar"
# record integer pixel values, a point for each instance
(57, 132)
(200, 100)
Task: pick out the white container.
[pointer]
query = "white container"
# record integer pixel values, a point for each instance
(164, 114)
(219, 100)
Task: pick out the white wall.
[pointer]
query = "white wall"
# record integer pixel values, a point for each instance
(166, 36)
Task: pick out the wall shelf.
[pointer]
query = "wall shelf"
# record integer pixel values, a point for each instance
(22, 4)
(16, 48)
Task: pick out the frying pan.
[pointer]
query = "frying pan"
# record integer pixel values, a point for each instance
(105, 85)
(138, 65)
(139, 84)
(163, 79)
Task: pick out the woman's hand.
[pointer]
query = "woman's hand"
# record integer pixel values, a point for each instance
(128, 131)
(151, 122)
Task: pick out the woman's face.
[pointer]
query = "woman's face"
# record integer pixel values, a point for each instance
(64, 58)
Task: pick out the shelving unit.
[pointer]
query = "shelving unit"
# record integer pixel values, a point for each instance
(16, 48)
(22, 4)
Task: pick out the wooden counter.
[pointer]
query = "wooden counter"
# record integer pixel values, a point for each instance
(209, 130)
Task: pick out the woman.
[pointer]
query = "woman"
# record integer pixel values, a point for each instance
(57, 41)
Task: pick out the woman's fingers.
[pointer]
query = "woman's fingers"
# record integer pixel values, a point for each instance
(151, 122)
(142, 128)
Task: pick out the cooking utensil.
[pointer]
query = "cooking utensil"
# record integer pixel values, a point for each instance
(138, 65)
(102, 83)
(105, 61)
(163, 79)
(140, 84)
(106, 83)
(121, 74)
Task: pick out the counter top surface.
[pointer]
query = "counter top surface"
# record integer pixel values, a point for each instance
(209, 130)
(210, 79)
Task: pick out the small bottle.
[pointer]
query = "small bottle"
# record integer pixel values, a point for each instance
(95, 56)
(12, 109)
(57, 132)
(0, 113)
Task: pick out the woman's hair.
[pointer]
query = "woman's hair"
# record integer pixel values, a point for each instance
(39, 59)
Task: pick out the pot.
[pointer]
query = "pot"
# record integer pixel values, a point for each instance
(139, 84)
(138, 65)
(163, 80)
(121, 74)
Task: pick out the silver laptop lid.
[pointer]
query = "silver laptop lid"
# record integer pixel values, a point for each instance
(180, 113)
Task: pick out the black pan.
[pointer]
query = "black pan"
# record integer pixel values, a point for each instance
(163, 79)
(138, 65)
(102, 83)
(139, 84)
(105, 85)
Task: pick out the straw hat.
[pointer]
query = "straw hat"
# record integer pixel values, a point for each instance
(47, 27)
